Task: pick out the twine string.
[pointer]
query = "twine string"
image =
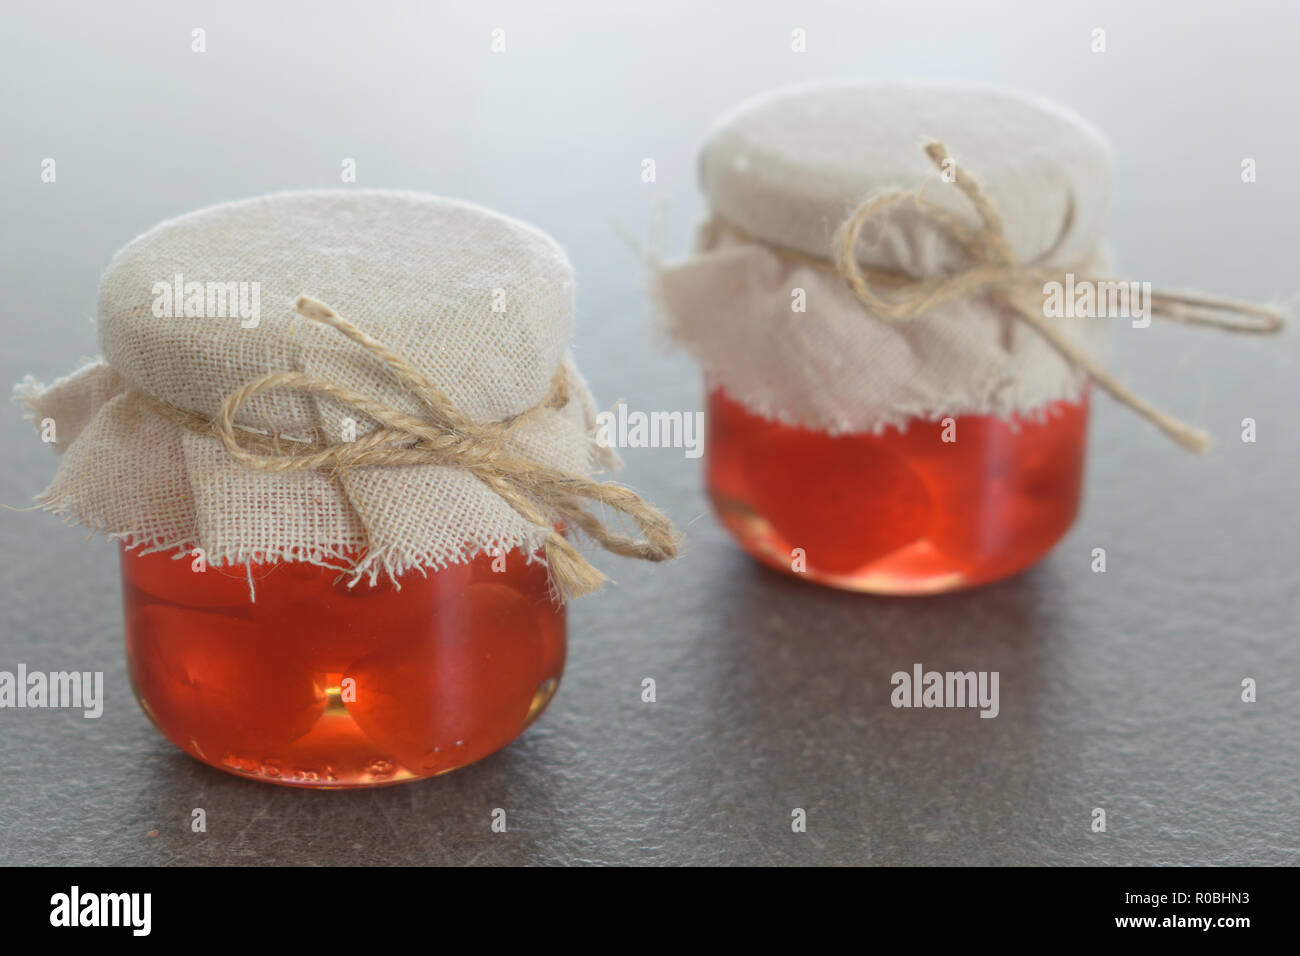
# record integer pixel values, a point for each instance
(995, 271)
(540, 494)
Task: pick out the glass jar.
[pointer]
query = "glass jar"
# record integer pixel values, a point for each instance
(317, 684)
(935, 507)
(380, 377)
(887, 412)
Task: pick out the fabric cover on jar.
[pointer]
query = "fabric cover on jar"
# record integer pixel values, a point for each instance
(783, 170)
(480, 304)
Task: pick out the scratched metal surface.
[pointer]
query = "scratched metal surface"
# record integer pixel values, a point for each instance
(1118, 691)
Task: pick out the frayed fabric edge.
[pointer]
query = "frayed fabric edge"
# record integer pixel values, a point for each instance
(898, 417)
(903, 414)
(389, 561)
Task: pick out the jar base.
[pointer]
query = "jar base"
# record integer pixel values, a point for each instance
(915, 570)
(321, 685)
(933, 507)
(336, 754)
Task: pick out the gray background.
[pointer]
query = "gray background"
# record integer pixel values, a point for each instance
(1118, 690)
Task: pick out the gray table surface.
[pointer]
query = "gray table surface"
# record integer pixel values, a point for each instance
(1118, 690)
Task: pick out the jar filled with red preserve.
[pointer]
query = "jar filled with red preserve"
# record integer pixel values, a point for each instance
(935, 451)
(346, 452)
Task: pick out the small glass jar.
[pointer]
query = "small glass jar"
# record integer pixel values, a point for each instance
(342, 435)
(881, 417)
(318, 684)
(903, 511)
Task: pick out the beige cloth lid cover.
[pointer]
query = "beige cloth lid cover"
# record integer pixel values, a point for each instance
(786, 168)
(419, 273)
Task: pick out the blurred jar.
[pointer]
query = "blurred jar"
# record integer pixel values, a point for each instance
(851, 446)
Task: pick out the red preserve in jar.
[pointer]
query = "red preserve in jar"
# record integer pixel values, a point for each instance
(339, 435)
(902, 511)
(321, 684)
(937, 451)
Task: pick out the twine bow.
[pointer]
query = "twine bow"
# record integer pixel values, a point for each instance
(995, 271)
(541, 495)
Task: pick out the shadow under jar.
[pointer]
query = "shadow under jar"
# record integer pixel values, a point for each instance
(317, 684)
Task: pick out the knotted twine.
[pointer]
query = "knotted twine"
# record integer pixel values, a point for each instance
(994, 271)
(540, 494)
